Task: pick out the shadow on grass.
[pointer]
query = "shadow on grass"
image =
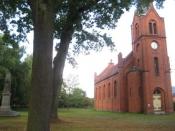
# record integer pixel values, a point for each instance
(12, 129)
(91, 120)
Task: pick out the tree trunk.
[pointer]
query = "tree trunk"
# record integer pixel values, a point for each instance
(59, 62)
(73, 17)
(41, 92)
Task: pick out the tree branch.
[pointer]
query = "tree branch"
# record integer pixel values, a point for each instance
(88, 6)
(31, 3)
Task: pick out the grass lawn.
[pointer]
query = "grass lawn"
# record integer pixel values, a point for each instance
(91, 120)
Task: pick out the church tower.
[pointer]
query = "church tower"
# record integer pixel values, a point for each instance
(150, 57)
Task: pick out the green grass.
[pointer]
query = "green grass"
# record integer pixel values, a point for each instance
(91, 120)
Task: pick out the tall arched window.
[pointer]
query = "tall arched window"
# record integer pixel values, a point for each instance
(156, 66)
(137, 30)
(96, 94)
(104, 92)
(109, 90)
(99, 92)
(152, 27)
(115, 88)
(105, 89)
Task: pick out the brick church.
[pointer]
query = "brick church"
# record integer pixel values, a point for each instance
(140, 82)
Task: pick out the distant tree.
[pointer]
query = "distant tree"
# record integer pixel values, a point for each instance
(63, 97)
(76, 98)
(72, 81)
(68, 85)
(71, 95)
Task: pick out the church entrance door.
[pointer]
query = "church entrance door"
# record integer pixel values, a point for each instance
(157, 101)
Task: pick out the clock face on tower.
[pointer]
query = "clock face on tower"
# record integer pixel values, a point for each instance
(154, 45)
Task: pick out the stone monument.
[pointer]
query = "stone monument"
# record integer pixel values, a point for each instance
(5, 109)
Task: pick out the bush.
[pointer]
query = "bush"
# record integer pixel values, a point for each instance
(76, 99)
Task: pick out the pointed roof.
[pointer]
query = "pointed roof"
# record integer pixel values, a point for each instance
(146, 12)
(110, 70)
(152, 9)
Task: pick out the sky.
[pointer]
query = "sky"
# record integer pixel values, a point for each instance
(121, 36)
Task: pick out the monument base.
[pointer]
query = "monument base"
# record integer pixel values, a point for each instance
(8, 113)
(5, 109)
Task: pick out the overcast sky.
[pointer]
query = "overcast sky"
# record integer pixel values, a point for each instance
(121, 36)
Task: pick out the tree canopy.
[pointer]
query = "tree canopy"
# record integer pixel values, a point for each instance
(16, 19)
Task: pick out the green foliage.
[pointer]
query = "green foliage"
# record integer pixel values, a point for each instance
(76, 98)
(89, 18)
(16, 20)
(72, 96)
(22, 83)
(10, 55)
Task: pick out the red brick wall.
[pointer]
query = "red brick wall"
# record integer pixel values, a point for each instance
(134, 91)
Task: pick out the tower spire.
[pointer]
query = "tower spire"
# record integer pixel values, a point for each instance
(151, 5)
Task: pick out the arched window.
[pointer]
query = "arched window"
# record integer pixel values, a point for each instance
(136, 30)
(109, 90)
(96, 93)
(115, 88)
(156, 66)
(138, 62)
(99, 93)
(104, 92)
(152, 27)
(137, 47)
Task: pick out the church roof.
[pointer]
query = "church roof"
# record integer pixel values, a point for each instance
(113, 69)
(110, 70)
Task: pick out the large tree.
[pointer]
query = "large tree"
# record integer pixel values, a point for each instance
(63, 20)
(17, 18)
(82, 21)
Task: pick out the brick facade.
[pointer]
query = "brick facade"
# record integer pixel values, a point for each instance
(141, 81)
